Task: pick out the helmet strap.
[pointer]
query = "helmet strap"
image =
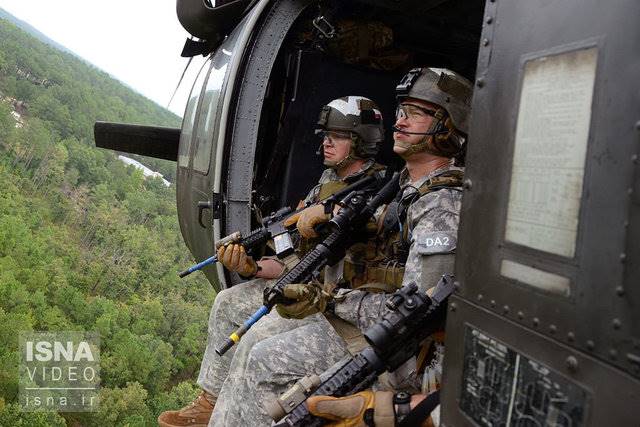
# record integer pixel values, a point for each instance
(439, 132)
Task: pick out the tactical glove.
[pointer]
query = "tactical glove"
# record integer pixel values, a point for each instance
(309, 298)
(235, 258)
(351, 411)
(292, 220)
(309, 218)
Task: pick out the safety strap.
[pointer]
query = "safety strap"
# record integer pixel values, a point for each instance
(448, 179)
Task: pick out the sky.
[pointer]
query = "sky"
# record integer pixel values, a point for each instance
(136, 41)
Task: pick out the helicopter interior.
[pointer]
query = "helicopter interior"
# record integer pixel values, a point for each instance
(350, 48)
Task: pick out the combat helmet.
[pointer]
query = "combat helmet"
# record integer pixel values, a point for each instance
(360, 117)
(450, 91)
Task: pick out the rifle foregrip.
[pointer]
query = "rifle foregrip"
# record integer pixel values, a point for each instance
(256, 238)
(357, 375)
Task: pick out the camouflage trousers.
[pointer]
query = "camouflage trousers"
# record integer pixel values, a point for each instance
(272, 365)
(230, 309)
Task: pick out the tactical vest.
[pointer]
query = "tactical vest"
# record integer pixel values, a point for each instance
(378, 265)
(328, 189)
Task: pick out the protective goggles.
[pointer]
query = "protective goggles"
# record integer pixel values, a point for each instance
(332, 135)
(414, 112)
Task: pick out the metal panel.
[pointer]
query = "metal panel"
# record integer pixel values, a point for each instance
(152, 141)
(581, 387)
(600, 315)
(250, 96)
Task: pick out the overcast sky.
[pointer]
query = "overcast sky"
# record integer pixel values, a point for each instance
(136, 41)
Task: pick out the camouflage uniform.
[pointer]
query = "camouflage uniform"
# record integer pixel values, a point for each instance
(330, 175)
(275, 363)
(234, 305)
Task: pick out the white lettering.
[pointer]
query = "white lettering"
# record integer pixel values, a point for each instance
(84, 352)
(44, 348)
(56, 370)
(438, 241)
(29, 351)
(92, 371)
(446, 240)
(60, 350)
(72, 375)
(30, 374)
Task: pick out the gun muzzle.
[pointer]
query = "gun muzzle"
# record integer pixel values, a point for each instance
(290, 399)
(198, 266)
(231, 238)
(238, 333)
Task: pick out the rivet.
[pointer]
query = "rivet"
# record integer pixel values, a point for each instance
(623, 257)
(467, 184)
(536, 321)
(520, 315)
(493, 303)
(629, 191)
(613, 353)
(485, 42)
(616, 323)
(619, 291)
(553, 329)
(489, 20)
(480, 82)
(571, 336)
(453, 306)
(591, 345)
(505, 309)
(634, 158)
(480, 297)
(572, 363)
(638, 125)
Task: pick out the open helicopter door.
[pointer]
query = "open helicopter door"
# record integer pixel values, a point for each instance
(202, 143)
(545, 327)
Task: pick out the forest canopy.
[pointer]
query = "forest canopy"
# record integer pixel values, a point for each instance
(87, 243)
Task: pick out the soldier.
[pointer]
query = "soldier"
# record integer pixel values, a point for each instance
(421, 228)
(351, 130)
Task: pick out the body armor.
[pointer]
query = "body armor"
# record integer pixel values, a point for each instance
(378, 265)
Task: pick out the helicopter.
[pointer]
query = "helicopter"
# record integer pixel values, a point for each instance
(544, 328)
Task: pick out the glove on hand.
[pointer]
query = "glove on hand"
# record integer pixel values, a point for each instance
(349, 411)
(309, 218)
(310, 299)
(291, 220)
(235, 258)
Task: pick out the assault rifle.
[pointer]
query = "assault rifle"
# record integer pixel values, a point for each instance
(273, 228)
(412, 317)
(345, 227)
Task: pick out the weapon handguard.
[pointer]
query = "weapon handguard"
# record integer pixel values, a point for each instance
(412, 317)
(329, 251)
(262, 235)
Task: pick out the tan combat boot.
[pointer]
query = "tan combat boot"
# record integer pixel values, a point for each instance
(196, 414)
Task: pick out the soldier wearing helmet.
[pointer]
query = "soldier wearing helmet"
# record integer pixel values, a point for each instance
(351, 130)
(420, 234)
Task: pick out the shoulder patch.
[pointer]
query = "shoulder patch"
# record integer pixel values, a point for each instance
(438, 242)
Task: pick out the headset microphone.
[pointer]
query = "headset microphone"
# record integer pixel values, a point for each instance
(319, 150)
(436, 132)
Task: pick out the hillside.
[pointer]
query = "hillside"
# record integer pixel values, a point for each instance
(87, 243)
